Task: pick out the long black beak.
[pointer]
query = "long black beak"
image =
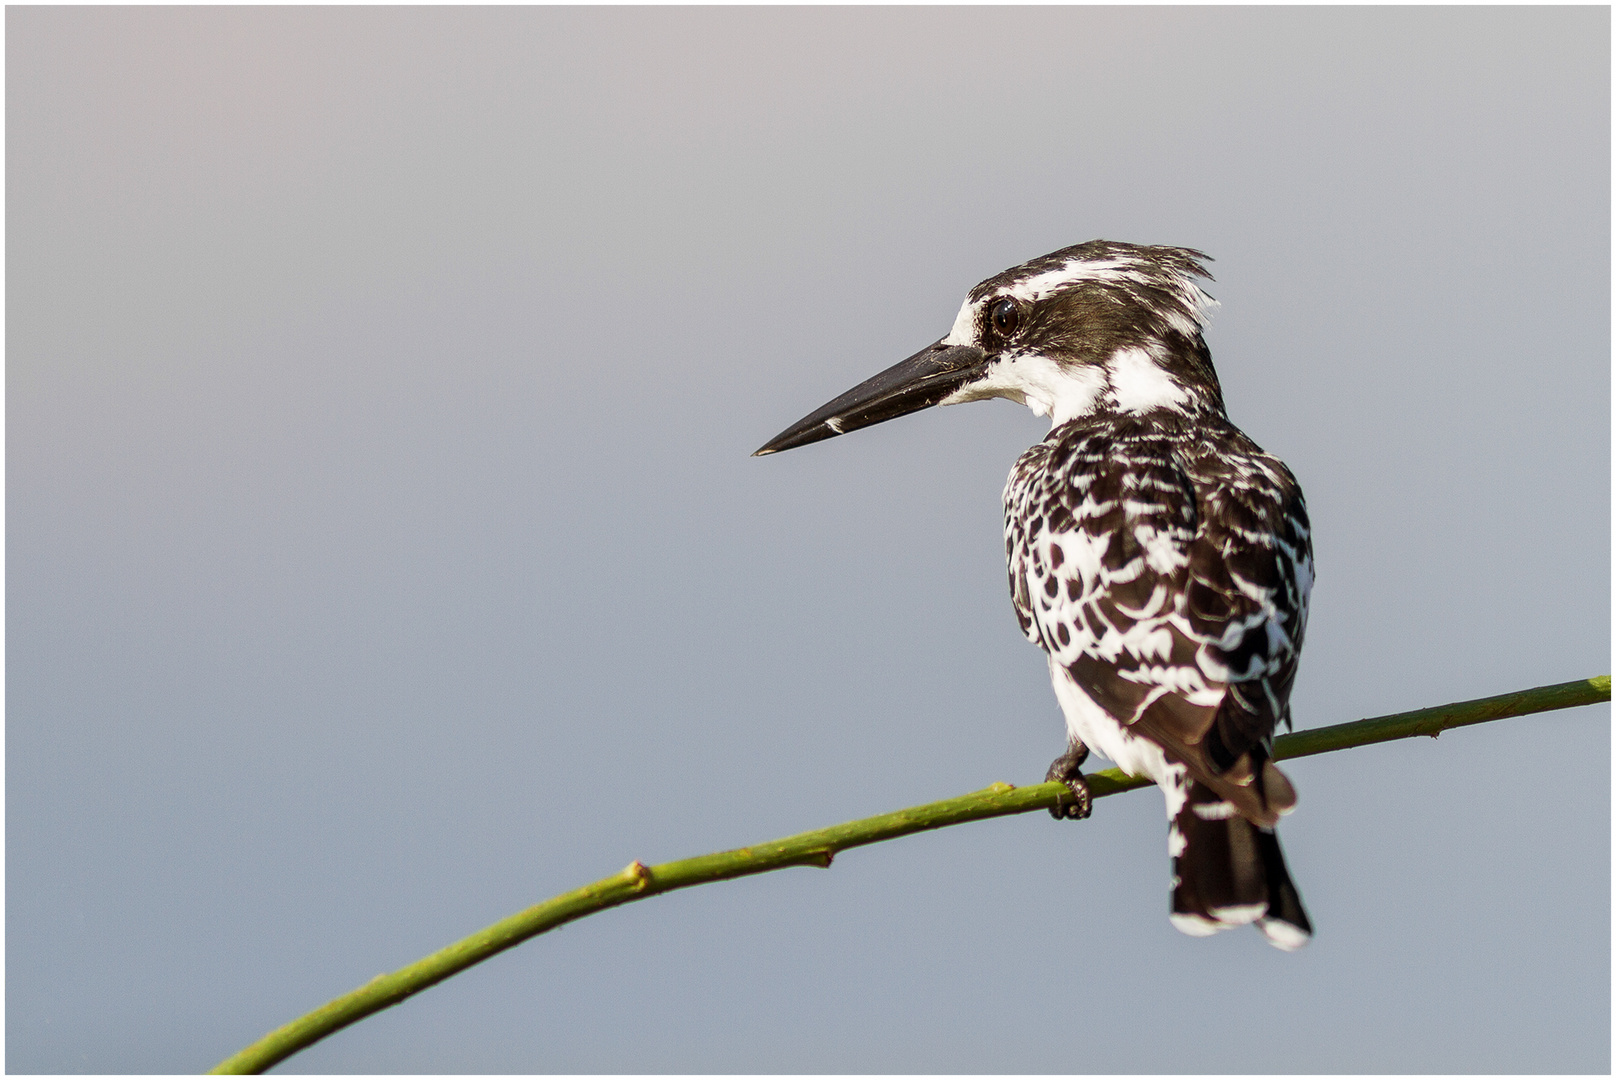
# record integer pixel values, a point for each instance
(917, 383)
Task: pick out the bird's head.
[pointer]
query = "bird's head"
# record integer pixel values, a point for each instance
(1101, 327)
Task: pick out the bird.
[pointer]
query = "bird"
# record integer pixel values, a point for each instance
(1160, 558)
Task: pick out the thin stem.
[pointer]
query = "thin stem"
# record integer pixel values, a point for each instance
(638, 881)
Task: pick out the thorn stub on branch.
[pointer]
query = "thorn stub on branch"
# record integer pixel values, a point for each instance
(638, 874)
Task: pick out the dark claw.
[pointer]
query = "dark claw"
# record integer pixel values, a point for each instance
(1081, 804)
(1068, 769)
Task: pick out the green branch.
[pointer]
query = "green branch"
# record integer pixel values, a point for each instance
(817, 848)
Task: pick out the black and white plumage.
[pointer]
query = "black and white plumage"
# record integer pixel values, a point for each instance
(1159, 557)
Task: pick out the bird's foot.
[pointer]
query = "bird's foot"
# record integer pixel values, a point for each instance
(1068, 769)
(1079, 806)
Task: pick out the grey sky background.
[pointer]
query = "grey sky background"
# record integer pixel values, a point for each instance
(384, 553)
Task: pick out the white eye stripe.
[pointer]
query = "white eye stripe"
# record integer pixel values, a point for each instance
(1038, 286)
(1189, 315)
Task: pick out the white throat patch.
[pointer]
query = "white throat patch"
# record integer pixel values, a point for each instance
(1061, 392)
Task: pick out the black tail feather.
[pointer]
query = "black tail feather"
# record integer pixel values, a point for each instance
(1228, 872)
(1286, 924)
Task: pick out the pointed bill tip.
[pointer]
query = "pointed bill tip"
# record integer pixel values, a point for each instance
(919, 382)
(824, 424)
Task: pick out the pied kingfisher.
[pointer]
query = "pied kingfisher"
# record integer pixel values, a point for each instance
(1156, 553)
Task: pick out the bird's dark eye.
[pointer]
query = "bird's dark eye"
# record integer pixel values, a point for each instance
(1005, 315)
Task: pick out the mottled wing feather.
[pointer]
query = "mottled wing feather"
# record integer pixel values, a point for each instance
(1251, 571)
(1170, 579)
